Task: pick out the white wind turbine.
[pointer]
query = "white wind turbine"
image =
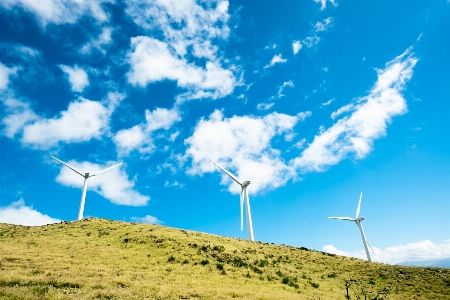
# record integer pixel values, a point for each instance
(358, 220)
(86, 176)
(244, 200)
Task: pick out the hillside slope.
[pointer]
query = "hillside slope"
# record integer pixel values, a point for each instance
(102, 259)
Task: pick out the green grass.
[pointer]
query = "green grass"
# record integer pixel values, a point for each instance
(102, 259)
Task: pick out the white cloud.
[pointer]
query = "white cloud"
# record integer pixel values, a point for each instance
(19, 115)
(327, 103)
(281, 89)
(275, 60)
(324, 25)
(114, 184)
(188, 30)
(412, 253)
(296, 47)
(102, 40)
(174, 184)
(311, 41)
(5, 72)
(264, 106)
(77, 77)
(147, 220)
(83, 120)
(152, 60)
(19, 214)
(243, 146)
(184, 23)
(420, 36)
(324, 3)
(139, 137)
(60, 11)
(353, 135)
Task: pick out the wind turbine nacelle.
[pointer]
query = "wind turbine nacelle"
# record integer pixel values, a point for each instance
(359, 219)
(246, 183)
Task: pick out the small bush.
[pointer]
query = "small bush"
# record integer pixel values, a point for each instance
(219, 266)
(171, 259)
(204, 262)
(219, 248)
(185, 262)
(332, 275)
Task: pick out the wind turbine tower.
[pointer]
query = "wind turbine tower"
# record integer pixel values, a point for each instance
(358, 220)
(86, 176)
(243, 199)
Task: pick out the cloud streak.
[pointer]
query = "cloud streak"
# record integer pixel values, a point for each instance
(411, 254)
(60, 11)
(353, 135)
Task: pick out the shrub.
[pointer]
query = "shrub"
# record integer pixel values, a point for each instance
(219, 248)
(219, 266)
(171, 259)
(204, 262)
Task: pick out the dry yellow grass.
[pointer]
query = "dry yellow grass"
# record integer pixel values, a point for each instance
(102, 259)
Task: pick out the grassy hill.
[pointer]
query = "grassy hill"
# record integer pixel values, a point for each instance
(102, 259)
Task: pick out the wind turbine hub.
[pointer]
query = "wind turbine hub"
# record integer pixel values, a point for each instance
(359, 219)
(86, 175)
(246, 183)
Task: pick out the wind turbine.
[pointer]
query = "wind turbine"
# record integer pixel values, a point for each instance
(244, 200)
(358, 220)
(86, 176)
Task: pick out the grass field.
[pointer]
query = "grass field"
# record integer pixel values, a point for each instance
(102, 259)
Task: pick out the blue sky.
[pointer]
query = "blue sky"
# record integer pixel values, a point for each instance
(334, 97)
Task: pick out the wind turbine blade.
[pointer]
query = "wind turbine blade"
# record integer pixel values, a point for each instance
(69, 166)
(359, 206)
(226, 172)
(249, 216)
(104, 170)
(260, 177)
(242, 209)
(364, 240)
(342, 218)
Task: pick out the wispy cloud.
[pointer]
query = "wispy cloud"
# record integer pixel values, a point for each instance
(264, 106)
(353, 135)
(19, 214)
(98, 43)
(61, 11)
(324, 3)
(147, 220)
(5, 72)
(324, 25)
(412, 253)
(275, 60)
(283, 86)
(327, 103)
